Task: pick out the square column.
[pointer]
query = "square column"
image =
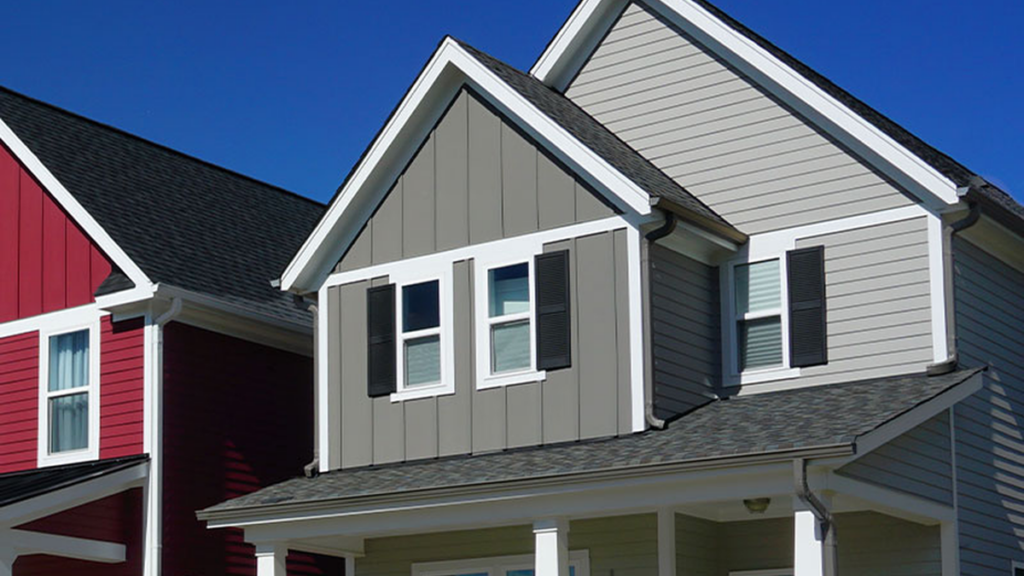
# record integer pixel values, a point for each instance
(271, 560)
(7, 558)
(551, 547)
(808, 545)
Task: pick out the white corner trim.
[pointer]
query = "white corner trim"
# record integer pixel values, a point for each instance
(323, 384)
(429, 92)
(69, 203)
(636, 330)
(937, 288)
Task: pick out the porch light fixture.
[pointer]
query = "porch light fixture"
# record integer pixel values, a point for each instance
(757, 505)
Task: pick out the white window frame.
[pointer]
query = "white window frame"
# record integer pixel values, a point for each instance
(482, 295)
(445, 330)
(92, 451)
(772, 572)
(730, 336)
(497, 565)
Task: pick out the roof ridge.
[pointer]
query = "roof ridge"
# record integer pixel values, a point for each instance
(164, 147)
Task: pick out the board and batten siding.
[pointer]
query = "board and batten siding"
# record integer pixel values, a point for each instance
(878, 302)
(475, 179)
(918, 462)
(685, 332)
(750, 158)
(988, 426)
(588, 400)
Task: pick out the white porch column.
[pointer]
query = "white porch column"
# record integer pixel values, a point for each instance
(666, 543)
(7, 558)
(950, 539)
(350, 565)
(808, 542)
(270, 560)
(551, 547)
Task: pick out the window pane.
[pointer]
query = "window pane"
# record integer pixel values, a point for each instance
(510, 346)
(69, 422)
(510, 290)
(761, 343)
(69, 361)
(757, 287)
(423, 361)
(420, 307)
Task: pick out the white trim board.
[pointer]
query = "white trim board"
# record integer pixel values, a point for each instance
(559, 62)
(27, 542)
(448, 70)
(495, 566)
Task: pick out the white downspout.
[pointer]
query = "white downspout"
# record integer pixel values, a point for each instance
(154, 491)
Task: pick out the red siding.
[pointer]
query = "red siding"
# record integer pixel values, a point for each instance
(117, 518)
(46, 261)
(122, 352)
(238, 416)
(19, 401)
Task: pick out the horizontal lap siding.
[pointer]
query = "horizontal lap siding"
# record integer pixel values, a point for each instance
(872, 543)
(878, 300)
(122, 369)
(696, 546)
(750, 158)
(990, 442)
(46, 261)
(685, 325)
(19, 401)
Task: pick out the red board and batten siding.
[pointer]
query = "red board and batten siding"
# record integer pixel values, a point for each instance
(47, 262)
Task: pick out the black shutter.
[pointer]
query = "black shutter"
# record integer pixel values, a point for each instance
(554, 329)
(808, 338)
(380, 333)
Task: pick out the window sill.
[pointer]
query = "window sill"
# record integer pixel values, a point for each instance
(766, 375)
(424, 392)
(512, 379)
(70, 457)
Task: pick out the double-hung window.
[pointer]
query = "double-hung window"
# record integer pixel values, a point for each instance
(68, 396)
(758, 315)
(506, 329)
(421, 335)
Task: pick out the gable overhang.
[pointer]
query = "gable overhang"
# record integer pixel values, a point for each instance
(592, 19)
(67, 201)
(449, 69)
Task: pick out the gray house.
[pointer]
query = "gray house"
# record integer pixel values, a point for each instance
(671, 303)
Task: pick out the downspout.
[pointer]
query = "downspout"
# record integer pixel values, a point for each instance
(156, 462)
(826, 523)
(645, 268)
(313, 468)
(953, 358)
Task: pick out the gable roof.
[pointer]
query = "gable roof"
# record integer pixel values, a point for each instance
(183, 221)
(821, 418)
(578, 140)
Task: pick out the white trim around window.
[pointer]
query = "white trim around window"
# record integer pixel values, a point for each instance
(92, 389)
(774, 572)
(579, 561)
(444, 331)
(482, 267)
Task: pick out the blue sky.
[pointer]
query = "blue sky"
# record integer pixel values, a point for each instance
(291, 92)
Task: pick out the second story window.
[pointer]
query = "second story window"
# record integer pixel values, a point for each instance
(758, 308)
(421, 334)
(509, 318)
(68, 396)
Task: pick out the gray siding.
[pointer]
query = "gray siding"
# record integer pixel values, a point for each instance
(872, 543)
(989, 437)
(750, 158)
(918, 462)
(685, 332)
(589, 400)
(475, 179)
(879, 304)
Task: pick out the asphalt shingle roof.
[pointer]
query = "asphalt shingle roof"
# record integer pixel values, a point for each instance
(746, 425)
(18, 486)
(183, 221)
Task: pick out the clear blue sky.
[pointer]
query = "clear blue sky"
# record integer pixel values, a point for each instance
(291, 92)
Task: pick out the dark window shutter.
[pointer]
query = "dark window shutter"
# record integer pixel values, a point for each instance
(808, 336)
(380, 333)
(554, 329)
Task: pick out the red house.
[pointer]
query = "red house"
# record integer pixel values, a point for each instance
(147, 366)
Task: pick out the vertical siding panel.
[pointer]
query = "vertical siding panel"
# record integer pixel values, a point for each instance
(421, 428)
(388, 419)
(99, 269)
(524, 415)
(595, 298)
(356, 408)
(561, 390)
(9, 244)
(485, 219)
(335, 379)
(78, 259)
(489, 420)
(19, 401)
(625, 389)
(360, 253)
(452, 154)
(54, 223)
(519, 183)
(589, 206)
(418, 203)
(454, 412)
(387, 229)
(30, 268)
(556, 194)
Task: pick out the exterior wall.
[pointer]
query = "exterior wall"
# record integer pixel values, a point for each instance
(685, 332)
(917, 462)
(989, 449)
(591, 399)
(619, 546)
(46, 261)
(237, 417)
(117, 518)
(878, 299)
(19, 402)
(749, 157)
(872, 543)
(475, 179)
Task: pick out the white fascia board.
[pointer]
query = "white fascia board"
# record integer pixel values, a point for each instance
(447, 70)
(553, 69)
(69, 203)
(28, 542)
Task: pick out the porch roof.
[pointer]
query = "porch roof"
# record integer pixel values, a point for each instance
(777, 423)
(19, 486)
